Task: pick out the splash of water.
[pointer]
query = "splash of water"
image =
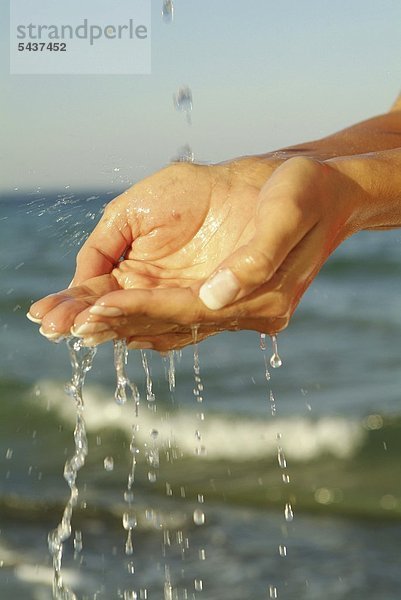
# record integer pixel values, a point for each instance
(123, 382)
(81, 362)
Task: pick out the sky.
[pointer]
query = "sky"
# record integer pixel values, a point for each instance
(264, 74)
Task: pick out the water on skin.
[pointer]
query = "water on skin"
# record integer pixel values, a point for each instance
(184, 154)
(81, 362)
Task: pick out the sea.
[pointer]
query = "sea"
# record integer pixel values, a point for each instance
(285, 487)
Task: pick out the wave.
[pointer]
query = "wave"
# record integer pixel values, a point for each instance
(224, 437)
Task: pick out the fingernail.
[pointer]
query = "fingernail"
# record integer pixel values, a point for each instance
(50, 336)
(86, 328)
(95, 340)
(219, 290)
(33, 319)
(140, 346)
(105, 311)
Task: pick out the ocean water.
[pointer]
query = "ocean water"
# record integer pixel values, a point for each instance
(338, 411)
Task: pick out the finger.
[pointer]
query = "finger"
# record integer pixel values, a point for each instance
(165, 343)
(285, 215)
(59, 311)
(107, 242)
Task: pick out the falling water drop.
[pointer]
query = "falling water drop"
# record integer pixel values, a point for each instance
(78, 542)
(81, 362)
(150, 397)
(263, 342)
(282, 550)
(123, 382)
(129, 520)
(183, 99)
(198, 585)
(168, 11)
(281, 457)
(275, 360)
(199, 517)
(171, 371)
(129, 549)
(288, 513)
(108, 463)
(273, 591)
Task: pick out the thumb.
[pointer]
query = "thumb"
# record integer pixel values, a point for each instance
(106, 244)
(283, 217)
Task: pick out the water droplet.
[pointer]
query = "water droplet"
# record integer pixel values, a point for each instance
(143, 594)
(130, 595)
(131, 568)
(198, 584)
(275, 360)
(273, 591)
(108, 463)
(128, 496)
(78, 541)
(129, 549)
(129, 520)
(183, 99)
(201, 498)
(282, 550)
(262, 342)
(152, 477)
(202, 554)
(199, 517)
(281, 458)
(288, 513)
(9, 454)
(168, 11)
(285, 478)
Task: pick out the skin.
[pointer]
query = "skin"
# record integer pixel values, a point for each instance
(271, 220)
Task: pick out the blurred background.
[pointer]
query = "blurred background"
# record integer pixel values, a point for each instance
(214, 520)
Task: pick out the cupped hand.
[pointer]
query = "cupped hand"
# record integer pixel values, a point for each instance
(222, 247)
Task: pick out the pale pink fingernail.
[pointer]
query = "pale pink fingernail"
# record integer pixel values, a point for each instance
(140, 346)
(100, 338)
(219, 290)
(88, 328)
(51, 335)
(106, 311)
(33, 319)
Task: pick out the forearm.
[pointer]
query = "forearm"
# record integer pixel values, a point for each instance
(382, 132)
(375, 181)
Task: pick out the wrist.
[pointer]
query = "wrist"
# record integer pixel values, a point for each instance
(373, 187)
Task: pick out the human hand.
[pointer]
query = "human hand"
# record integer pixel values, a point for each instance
(178, 226)
(171, 229)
